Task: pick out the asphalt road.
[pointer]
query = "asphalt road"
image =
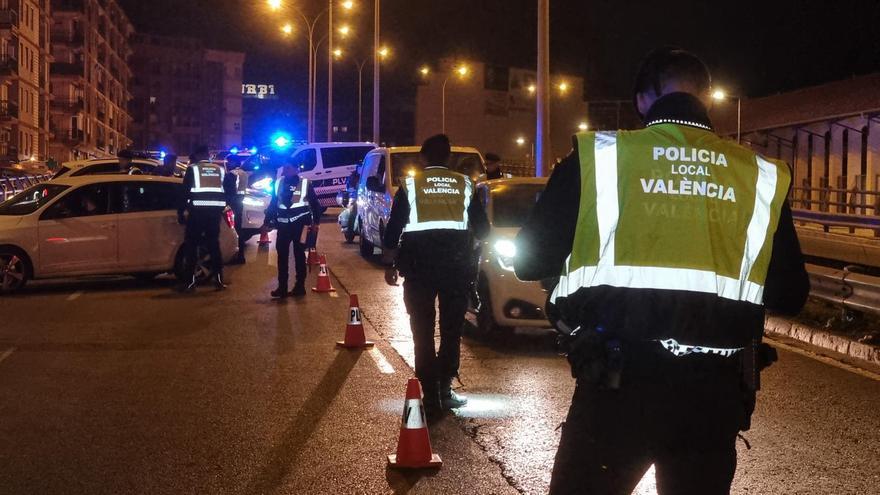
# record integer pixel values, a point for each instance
(117, 386)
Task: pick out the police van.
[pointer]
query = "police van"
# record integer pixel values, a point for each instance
(328, 166)
(380, 176)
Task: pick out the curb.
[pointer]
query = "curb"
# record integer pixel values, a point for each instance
(779, 326)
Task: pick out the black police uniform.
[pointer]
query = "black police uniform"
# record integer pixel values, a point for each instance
(204, 198)
(293, 207)
(437, 265)
(681, 413)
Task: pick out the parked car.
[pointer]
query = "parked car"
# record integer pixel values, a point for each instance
(380, 176)
(105, 166)
(96, 225)
(328, 166)
(506, 301)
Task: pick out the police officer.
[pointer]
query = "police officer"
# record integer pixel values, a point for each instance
(125, 158)
(437, 212)
(201, 210)
(235, 184)
(672, 242)
(293, 207)
(493, 167)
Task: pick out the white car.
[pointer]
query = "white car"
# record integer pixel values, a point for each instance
(507, 301)
(104, 166)
(380, 176)
(97, 225)
(328, 166)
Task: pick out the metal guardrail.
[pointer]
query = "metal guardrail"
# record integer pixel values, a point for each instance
(10, 186)
(828, 219)
(851, 290)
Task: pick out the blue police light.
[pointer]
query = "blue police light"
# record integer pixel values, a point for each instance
(281, 141)
(163, 154)
(234, 150)
(253, 150)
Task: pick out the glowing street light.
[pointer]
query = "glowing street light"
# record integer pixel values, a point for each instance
(344, 30)
(274, 4)
(462, 70)
(384, 52)
(532, 89)
(583, 126)
(563, 87)
(337, 53)
(425, 70)
(721, 95)
(287, 29)
(520, 141)
(348, 5)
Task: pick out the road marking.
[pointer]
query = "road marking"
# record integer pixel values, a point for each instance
(825, 359)
(75, 295)
(10, 351)
(381, 363)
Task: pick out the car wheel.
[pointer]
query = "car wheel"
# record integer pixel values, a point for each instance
(202, 269)
(13, 271)
(486, 323)
(366, 247)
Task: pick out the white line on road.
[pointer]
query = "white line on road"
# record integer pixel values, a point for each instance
(9, 352)
(75, 295)
(381, 363)
(826, 360)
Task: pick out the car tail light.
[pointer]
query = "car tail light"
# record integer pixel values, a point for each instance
(230, 219)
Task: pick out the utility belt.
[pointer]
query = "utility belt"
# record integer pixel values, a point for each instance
(293, 218)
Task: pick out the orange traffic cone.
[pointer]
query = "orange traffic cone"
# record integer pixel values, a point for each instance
(354, 331)
(324, 284)
(264, 237)
(414, 445)
(313, 259)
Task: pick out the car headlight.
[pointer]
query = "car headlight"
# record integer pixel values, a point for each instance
(253, 202)
(505, 249)
(264, 184)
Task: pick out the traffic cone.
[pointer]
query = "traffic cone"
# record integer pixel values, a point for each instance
(354, 331)
(414, 444)
(313, 259)
(264, 237)
(324, 284)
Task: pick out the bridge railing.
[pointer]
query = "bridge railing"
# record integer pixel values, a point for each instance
(12, 185)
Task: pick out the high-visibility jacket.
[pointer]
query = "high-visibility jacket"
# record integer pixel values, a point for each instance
(206, 190)
(241, 181)
(438, 199)
(677, 208)
(291, 198)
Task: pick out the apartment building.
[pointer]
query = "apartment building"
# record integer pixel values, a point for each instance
(90, 79)
(24, 85)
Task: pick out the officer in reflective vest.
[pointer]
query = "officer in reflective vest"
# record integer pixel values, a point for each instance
(433, 219)
(203, 201)
(294, 206)
(669, 244)
(235, 185)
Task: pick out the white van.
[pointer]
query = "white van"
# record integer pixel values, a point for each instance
(328, 166)
(380, 177)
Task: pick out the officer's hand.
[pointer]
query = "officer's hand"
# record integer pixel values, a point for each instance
(391, 276)
(181, 218)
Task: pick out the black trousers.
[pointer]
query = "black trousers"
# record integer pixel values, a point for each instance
(681, 414)
(203, 228)
(420, 293)
(238, 210)
(290, 233)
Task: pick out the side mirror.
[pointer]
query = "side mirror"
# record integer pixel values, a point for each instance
(374, 185)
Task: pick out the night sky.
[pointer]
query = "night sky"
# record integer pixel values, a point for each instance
(754, 48)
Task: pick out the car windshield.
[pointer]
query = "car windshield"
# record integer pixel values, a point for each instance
(512, 203)
(466, 163)
(61, 171)
(30, 200)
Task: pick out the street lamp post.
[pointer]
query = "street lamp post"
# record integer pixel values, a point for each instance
(360, 66)
(376, 57)
(461, 71)
(720, 95)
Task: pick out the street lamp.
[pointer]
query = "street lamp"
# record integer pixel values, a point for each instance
(720, 95)
(521, 141)
(360, 68)
(461, 72)
(583, 126)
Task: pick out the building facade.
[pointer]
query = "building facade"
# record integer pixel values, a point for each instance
(24, 84)
(493, 109)
(185, 95)
(829, 135)
(90, 79)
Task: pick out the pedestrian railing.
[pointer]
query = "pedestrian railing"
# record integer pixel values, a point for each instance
(10, 186)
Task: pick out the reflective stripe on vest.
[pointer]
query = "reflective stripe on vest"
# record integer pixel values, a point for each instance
(675, 216)
(207, 178)
(208, 202)
(438, 199)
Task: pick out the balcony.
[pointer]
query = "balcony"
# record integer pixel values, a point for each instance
(67, 68)
(8, 19)
(69, 106)
(68, 6)
(71, 136)
(8, 65)
(8, 110)
(75, 38)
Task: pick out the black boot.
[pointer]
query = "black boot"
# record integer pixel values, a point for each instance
(431, 398)
(187, 287)
(280, 292)
(299, 289)
(448, 398)
(218, 282)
